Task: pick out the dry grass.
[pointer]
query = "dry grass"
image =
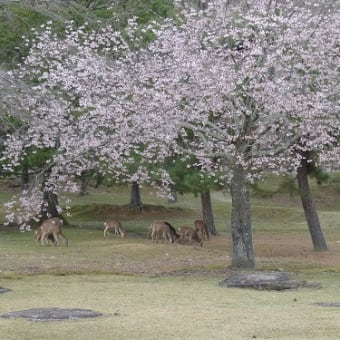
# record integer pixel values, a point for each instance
(162, 291)
(89, 252)
(140, 307)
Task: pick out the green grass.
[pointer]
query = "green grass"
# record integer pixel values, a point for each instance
(275, 211)
(161, 291)
(170, 308)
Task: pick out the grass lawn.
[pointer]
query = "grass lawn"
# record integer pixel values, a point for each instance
(164, 291)
(170, 307)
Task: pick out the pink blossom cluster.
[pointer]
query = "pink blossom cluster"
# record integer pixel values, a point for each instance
(251, 85)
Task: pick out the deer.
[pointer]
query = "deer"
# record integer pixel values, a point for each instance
(38, 234)
(201, 226)
(114, 227)
(51, 227)
(174, 233)
(189, 234)
(162, 229)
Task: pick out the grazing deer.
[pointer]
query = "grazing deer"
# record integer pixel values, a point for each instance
(114, 227)
(38, 234)
(51, 227)
(190, 235)
(162, 229)
(201, 226)
(174, 233)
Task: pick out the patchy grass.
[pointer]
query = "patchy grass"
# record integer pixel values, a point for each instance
(281, 236)
(88, 252)
(151, 291)
(182, 307)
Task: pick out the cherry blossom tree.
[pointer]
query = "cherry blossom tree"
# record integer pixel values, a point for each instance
(64, 117)
(246, 87)
(253, 82)
(79, 108)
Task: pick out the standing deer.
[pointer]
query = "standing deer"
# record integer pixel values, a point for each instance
(162, 229)
(38, 234)
(190, 235)
(50, 227)
(201, 226)
(174, 233)
(114, 227)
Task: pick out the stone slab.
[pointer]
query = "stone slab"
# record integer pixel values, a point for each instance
(52, 314)
(265, 281)
(4, 290)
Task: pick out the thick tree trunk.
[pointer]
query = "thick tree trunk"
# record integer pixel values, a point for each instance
(51, 203)
(319, 242)
(49, 207)
(207, 212)
(135, 201)
(241, 228)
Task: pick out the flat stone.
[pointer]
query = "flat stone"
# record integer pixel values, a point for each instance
(327, 304)
(52, 314)
(4, 290)
(264, 281)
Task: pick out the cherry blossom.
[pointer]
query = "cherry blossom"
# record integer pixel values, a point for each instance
(245, 87)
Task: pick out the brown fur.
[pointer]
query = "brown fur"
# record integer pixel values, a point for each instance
(201, 226)
(51, 226)
(38, 234)
(114, 227)
(189, 234)
(162, 229)
(174, 233)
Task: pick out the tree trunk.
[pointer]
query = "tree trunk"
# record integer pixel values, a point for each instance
(173, 198)
(208, 215)
(50, 204)
(49, 208)
(319, 242)
(241, 229)
(24, 177)
(83, 183)
(135, 202)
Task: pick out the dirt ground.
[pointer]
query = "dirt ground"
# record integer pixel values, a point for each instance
(138, 255)
(296, 248)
